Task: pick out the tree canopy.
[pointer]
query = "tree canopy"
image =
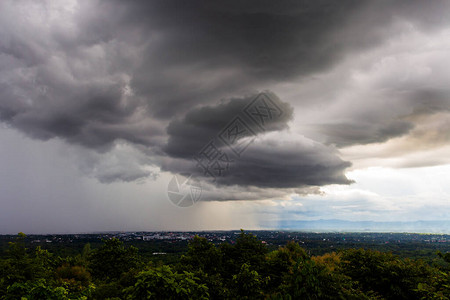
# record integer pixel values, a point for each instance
(245, 269)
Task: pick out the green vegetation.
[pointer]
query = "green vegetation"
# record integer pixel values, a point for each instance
(244, 269)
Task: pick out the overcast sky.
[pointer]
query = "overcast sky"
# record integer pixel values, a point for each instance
(314, 110)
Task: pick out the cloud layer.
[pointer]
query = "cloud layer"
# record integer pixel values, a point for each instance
(147, 84)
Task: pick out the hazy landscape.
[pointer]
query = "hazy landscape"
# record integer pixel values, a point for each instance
(138, 138)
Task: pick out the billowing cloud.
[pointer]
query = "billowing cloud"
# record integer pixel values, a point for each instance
(281, 160)
(270, 157)
(273, 160)
(344, 134)
(151, 74)
(190, 134)
(125, 91)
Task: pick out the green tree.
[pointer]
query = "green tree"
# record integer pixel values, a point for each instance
(248, 284)
(75, 279)
(204, 259)
(384, 273)
(21, 265)
(247, 250)
(439, 285)
(112, 259)
(35, 290)
(162, 283)
(282, 261)
(203, 255)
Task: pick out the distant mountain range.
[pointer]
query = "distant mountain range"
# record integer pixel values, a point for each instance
(442, 226)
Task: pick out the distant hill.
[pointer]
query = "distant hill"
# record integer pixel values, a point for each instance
(369, 226)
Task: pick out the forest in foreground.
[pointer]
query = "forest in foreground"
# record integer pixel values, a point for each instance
(244, 269)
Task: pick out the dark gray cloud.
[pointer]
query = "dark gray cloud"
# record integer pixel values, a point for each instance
(223, 48)
(98, 73)
(125, 91)
(200, 125)
(272, 160)
(173, 55)
(392, 114)
(254, 42)
(68, 77)
(284, 162)
(428, 100)
(345, 134)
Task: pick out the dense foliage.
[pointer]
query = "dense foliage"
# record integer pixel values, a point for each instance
(245, 269)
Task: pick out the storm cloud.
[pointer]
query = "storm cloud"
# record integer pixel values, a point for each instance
(103, 102)
(190, 134)
(163, 78)
(270, 157)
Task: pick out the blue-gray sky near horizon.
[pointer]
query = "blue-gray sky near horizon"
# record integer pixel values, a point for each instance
(102, 102)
